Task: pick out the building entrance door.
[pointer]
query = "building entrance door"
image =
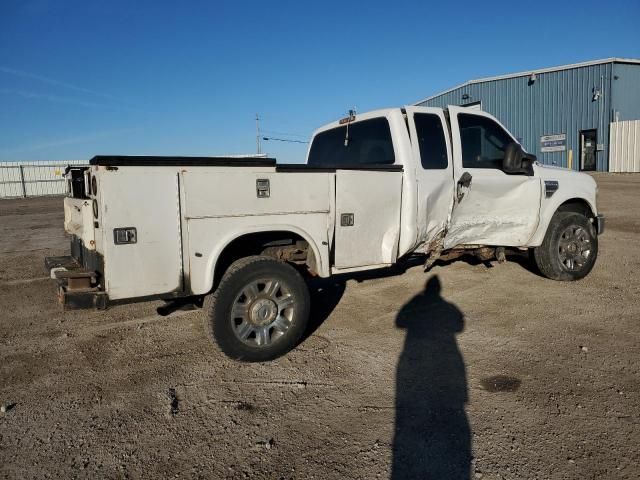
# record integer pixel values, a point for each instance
(588, 143)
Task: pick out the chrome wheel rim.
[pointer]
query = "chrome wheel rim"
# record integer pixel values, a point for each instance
(574, 248)
(262, 312)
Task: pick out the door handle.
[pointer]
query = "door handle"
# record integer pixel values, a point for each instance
(463, 185)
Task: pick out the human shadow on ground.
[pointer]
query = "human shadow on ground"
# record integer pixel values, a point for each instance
(432, 437)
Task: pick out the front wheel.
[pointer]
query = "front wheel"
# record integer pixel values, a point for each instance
(569, 249)
(259, 310)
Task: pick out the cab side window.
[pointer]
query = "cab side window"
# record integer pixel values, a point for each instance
(483, 142)
(431, 140)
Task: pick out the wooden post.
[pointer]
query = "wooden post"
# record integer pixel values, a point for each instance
(570, 159)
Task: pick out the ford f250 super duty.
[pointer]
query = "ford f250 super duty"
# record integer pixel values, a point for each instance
(245, 234)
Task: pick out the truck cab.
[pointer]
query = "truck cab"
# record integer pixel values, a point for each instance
(464, 182)
(244, 235)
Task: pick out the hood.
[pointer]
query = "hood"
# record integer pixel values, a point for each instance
(571, 185)
(551, 172)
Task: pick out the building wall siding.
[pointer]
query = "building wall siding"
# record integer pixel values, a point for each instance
(625, 146)
(625, 90)
(557, 102)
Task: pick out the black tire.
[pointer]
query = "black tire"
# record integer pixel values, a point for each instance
(246, 320)
(569, 249)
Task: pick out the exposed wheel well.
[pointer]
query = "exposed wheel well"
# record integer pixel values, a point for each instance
(281, 245)
(577, 205)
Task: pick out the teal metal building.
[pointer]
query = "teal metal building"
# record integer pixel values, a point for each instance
(563, 114)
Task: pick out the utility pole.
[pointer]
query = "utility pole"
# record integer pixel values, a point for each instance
(258, 133)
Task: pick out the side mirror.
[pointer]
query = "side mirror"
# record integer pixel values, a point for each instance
(516, 161)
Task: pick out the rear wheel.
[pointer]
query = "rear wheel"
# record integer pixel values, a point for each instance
(259, 310)
(569, 249)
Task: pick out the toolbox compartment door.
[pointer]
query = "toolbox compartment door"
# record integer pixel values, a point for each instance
(147, 199)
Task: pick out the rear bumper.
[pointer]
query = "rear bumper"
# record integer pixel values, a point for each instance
(77, 288)
(599, 224)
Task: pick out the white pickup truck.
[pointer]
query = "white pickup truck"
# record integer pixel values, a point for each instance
(245, 234)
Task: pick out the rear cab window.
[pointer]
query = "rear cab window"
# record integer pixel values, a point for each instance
(367, 142)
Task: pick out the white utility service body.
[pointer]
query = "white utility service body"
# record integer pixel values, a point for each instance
(159, 227)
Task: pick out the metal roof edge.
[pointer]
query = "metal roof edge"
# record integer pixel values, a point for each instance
(468, 82)
(536, 71)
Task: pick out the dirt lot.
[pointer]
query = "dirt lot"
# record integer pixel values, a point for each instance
(395, 380)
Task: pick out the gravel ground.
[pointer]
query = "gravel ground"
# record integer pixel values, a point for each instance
(465, 371)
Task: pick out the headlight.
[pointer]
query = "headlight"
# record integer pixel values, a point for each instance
(95, 209)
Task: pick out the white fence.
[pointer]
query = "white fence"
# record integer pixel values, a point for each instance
(624, 146)
(34, 179)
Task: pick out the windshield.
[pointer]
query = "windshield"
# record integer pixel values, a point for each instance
(367, 142)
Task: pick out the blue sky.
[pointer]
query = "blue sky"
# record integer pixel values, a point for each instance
(80, 78)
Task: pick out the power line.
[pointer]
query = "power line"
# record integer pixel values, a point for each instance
(286, 122)
(283, 140)
(286, 134)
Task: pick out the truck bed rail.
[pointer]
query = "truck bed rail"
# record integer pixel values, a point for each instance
(294, 167)
(152, 161)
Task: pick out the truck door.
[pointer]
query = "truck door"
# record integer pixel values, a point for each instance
(431, 149)
(490, 206)
(367, 217)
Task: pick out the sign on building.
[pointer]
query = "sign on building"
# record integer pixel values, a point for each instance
(553, 143)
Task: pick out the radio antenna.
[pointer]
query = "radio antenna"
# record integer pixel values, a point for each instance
(351, 118)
